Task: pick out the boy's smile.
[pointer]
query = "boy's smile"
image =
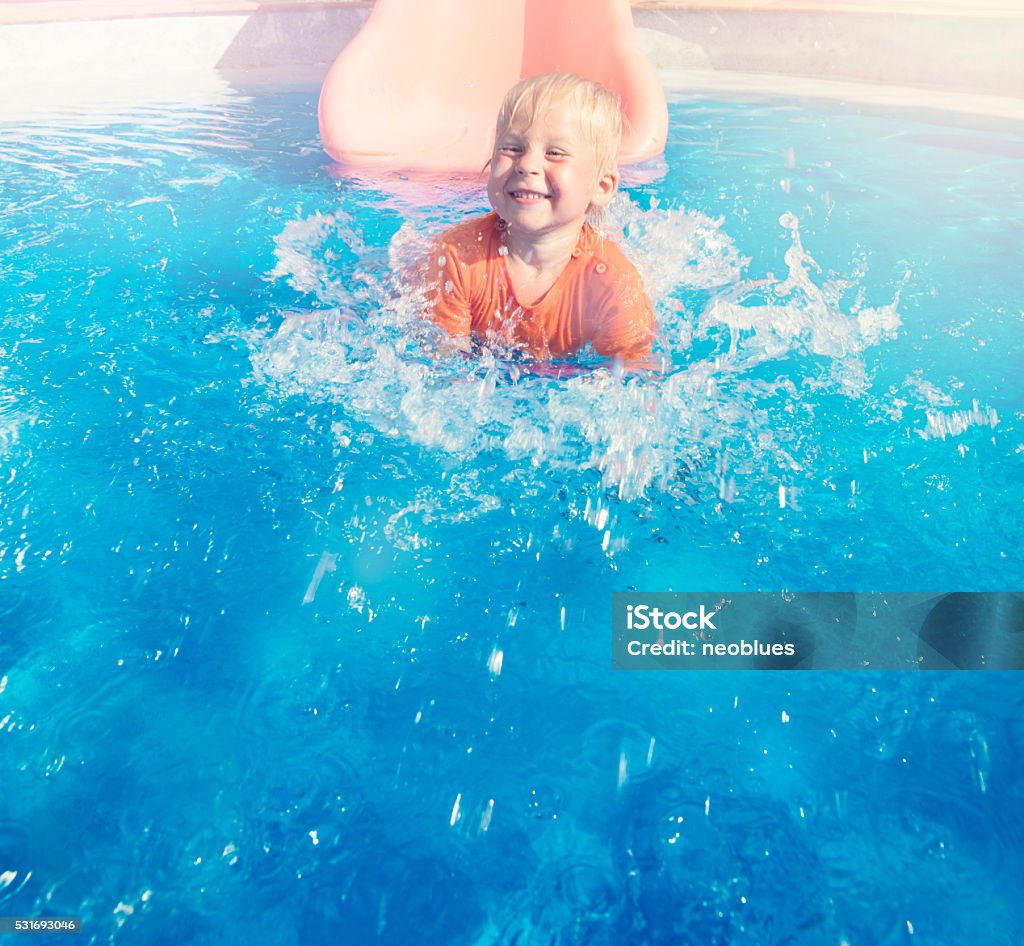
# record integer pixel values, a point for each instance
(526, 196)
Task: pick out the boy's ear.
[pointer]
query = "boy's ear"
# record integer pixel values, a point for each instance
(604, 190)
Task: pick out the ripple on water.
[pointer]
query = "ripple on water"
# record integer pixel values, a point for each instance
(72, 892)
(322, 709)
(391, 896)
(15, 860)
(577, 897)
(85, 721)
(618, 751)
(957, 835)
(320, 786)
(26, 606)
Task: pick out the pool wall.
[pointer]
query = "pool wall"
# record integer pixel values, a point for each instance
(70, 53)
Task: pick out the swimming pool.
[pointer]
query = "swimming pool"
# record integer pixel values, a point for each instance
(305, 633)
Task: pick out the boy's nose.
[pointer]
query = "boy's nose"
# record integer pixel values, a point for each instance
(528, 162)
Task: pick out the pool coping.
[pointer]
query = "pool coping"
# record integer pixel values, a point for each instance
(51, 11)
(790, 48)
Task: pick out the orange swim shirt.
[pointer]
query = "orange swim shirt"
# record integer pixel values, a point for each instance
(598, 299)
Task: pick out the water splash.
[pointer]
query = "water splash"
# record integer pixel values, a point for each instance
(802, 316)
(941, 425)
(372, 356)
(676, 248)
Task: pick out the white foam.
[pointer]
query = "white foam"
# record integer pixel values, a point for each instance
(371, 355)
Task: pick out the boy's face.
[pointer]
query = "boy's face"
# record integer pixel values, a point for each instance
(544, 175)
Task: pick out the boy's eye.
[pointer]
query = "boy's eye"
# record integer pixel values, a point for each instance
(557, 153)
(510, 149)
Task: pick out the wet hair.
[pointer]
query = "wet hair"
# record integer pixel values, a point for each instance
(599, 111)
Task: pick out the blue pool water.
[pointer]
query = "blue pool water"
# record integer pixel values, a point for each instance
(305, 632)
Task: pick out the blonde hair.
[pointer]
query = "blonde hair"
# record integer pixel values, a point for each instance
(599, 112)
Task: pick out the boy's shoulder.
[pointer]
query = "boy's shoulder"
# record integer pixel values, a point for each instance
(604, 257)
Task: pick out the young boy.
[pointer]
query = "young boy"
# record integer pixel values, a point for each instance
(534, 273)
